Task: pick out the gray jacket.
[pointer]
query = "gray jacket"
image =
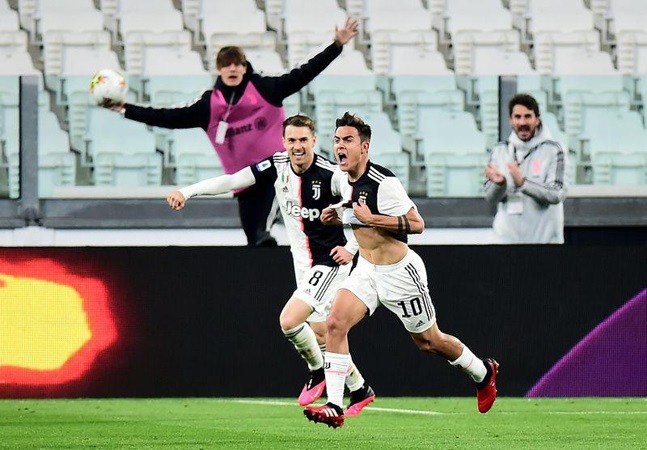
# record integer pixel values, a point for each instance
(534, 212)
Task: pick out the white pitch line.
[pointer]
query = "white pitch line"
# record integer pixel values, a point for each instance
(368, 408)
(437, 413)
(597, 412)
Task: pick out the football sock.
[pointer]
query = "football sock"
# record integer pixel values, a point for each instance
(354, 379)
(305, 341)
(469, 363)
(336, 368)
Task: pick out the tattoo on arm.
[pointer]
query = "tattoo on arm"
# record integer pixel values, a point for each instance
(400, 224)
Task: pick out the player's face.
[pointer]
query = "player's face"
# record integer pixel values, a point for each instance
(524, 122)
(349, 149)
(232, 75)
(299, 142)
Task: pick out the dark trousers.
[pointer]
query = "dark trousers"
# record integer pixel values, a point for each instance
(254, 207)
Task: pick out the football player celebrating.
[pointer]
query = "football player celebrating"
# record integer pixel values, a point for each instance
(305, 184)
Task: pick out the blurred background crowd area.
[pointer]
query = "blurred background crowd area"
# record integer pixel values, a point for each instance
(431, 77)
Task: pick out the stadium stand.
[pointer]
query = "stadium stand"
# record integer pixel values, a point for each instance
(56, 164)
(390, 26)
(118, 161)
(454, 152)
(618, 157)
(415, 62)
(306, 25)
(193, 156)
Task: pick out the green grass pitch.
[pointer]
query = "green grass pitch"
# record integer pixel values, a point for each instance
(389, 423)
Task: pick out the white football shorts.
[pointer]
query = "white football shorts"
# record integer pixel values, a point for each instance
(401, 287)
(318, 287)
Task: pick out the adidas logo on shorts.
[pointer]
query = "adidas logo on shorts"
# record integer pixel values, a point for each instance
(420, 323)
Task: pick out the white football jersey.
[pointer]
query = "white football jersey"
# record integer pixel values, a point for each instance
(301, 198)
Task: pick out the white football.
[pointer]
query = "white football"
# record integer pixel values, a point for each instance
(108, 87)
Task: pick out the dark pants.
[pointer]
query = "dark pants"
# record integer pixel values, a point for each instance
(254, 207)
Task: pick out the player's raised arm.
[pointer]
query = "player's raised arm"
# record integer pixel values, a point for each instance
(212, 186)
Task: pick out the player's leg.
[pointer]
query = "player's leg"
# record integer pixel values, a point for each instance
(408, 297)
(256, 209)
(483, 372)
(347, 310)
(303, 337)
(352, 303)
(311, 302)
(361, 394)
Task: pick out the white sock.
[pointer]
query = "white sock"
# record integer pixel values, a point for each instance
(336, 368)
(305, 341)
(354, 379)
(469, 363)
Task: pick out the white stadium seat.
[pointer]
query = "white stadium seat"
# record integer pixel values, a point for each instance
(454, 152)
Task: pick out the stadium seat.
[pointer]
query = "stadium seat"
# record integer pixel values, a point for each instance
(490, 63)
(626, 16)
(193, 156)
(398, 163)
(392, 26)
(141, 31)
(539, 86)
(309, 25)
(9, 132)
(618, 157)
(15, 60)
(173, 76)
(549, 120)
(117, 161)
(273, 9)
(454, 153)
(332, 104)
(65, 16)
(56, 163)
(346, 84)
(115, 10)
(78, 64)
(558, 30)
(482, 16)
(386, 146)
(415, 93)
(235, 23)
(79, 105)
(602, 89)
(626, 22)
(265, 61)
(9, 19)
(60, 46)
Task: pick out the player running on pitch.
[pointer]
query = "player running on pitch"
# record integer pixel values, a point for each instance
(304, 186)
(388, 272)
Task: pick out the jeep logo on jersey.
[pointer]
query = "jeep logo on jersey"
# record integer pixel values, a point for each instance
(316, 190)
(311, 214)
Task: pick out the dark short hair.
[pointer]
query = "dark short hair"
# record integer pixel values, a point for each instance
(526, 100)
(299, 120)
(230, 54)
(351, 120)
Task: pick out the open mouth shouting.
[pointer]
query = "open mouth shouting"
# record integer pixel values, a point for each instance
(342, 158)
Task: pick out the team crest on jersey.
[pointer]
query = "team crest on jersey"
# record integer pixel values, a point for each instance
(362, 196)
(316, 190)
(261, 166)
